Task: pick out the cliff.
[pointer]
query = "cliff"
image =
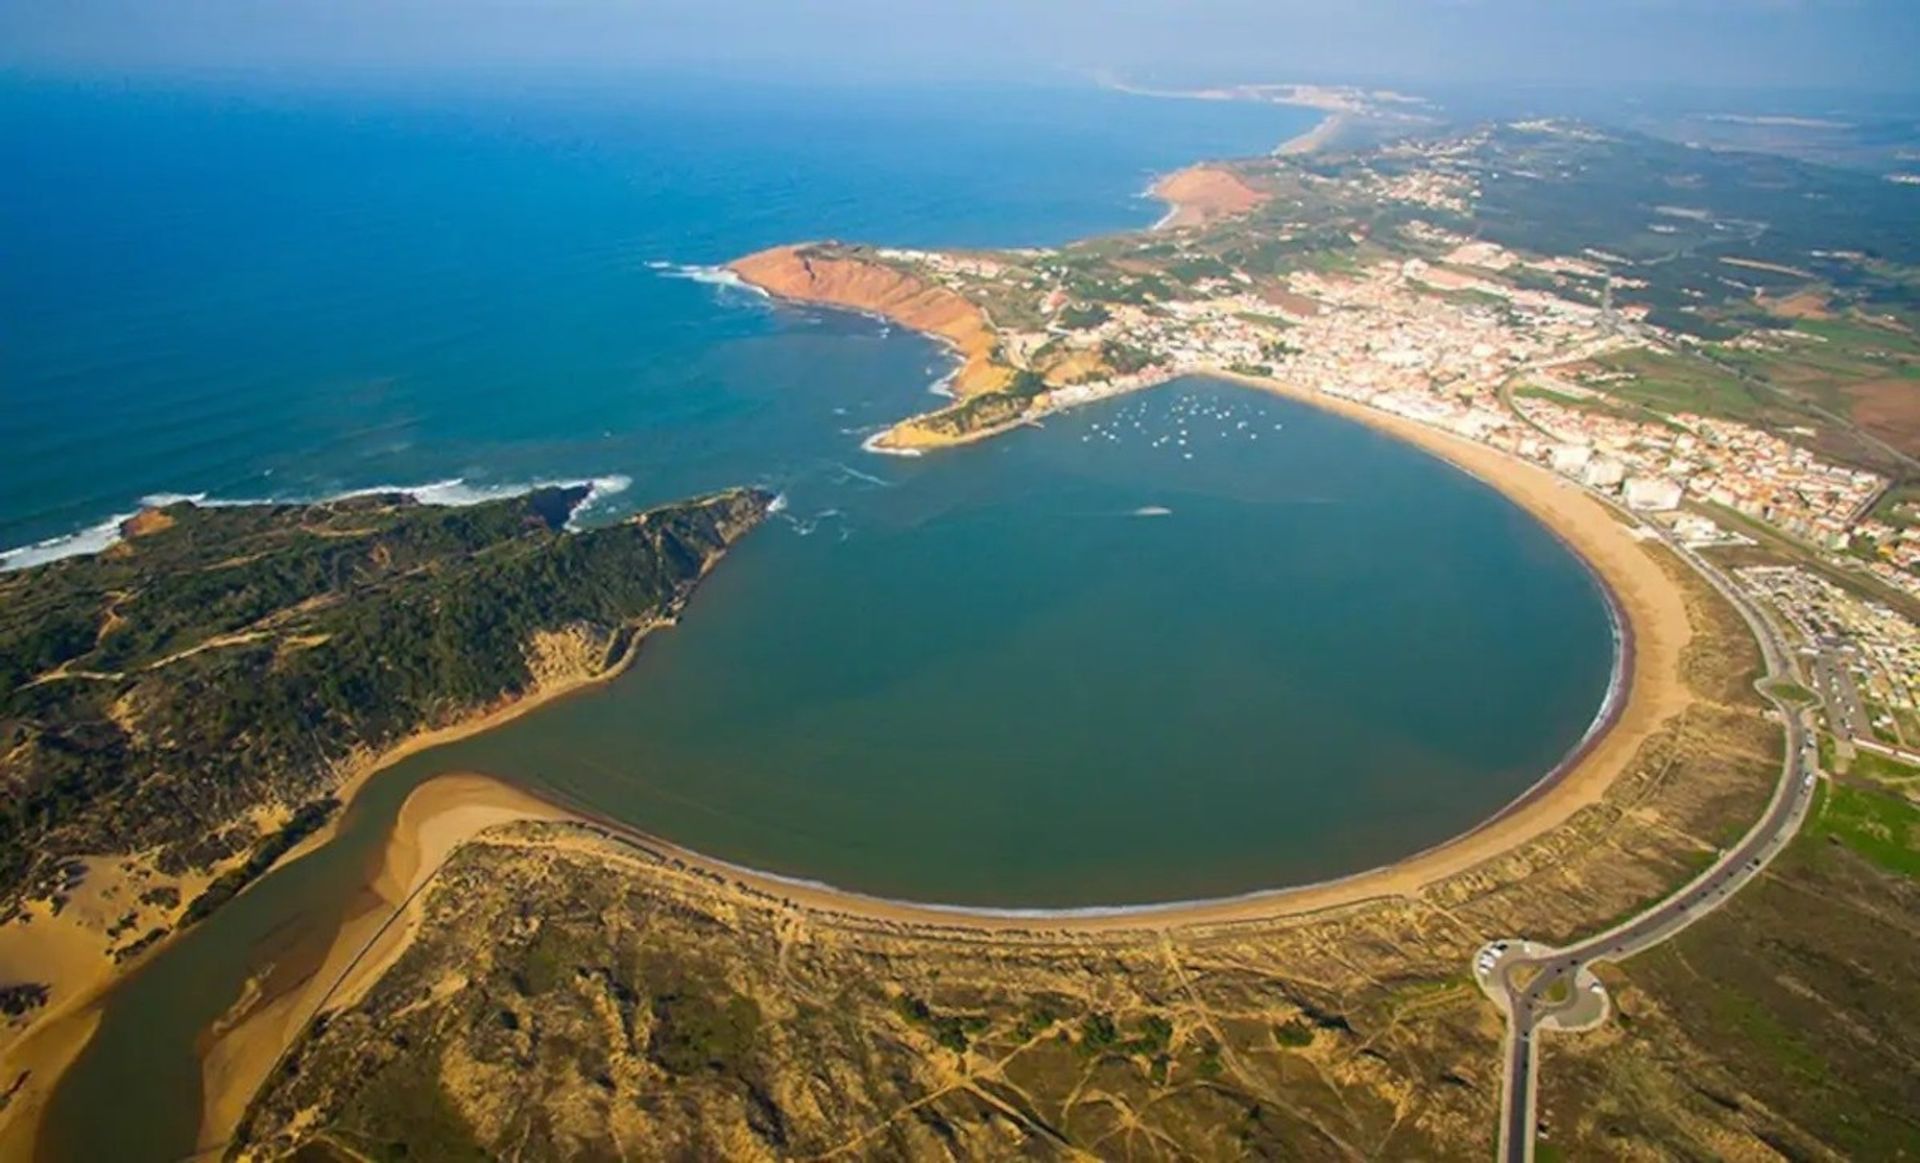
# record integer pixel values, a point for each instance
(837, 277)
(1202, 194)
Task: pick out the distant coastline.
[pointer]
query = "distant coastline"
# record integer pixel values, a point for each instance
(1646, 690)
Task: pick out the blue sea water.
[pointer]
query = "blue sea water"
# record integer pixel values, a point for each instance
(957, 678)
(1070, 666)
(289, 295)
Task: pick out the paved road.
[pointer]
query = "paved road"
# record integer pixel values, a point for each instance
(1527, 1007)
(1844, 711)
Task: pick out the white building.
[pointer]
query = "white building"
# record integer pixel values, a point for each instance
(1604, 472)
(1570, 459)
(1652, 494)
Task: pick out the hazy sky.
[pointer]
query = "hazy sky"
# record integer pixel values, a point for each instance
(1869, 44)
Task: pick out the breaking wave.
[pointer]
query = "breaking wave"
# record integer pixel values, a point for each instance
(455, 492)
(713, 276)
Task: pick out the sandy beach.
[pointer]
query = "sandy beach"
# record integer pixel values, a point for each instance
(1654, 613)
(1315, 139)
(445, 812)
(375, 928)
(449, 810)
(68, 953)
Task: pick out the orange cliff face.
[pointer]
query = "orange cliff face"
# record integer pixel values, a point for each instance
(1200, 194)
(810, 275)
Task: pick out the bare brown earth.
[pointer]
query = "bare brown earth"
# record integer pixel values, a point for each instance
(1890, 409)
(146, 521)
(571, 992)
(1811, 303)
(1201, 194)
(810, 274)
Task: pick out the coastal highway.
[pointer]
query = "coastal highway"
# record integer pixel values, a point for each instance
(1554, 987)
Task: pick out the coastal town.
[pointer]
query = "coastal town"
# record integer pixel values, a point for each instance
(1526, 353)
(1006, 844)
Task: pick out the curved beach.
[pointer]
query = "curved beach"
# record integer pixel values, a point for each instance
(1653, 630)
(447, 811)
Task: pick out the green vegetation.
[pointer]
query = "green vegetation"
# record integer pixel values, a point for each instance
(1293, 1034)
(693, 1032)
(549, 961)
(1099, 1034)
(1026, 383)
(233, 657)
(976, 413)
(954, 1031)
(1082, 316)
(1042, 1016)
(1884, 829)
(1674, 383)
(1780, 1016)
(1880, 769)
(1124, 357)
(1790, 691)
(408, 1116)
(304, 823)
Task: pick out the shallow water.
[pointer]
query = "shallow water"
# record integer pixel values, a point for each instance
(1091, 664)
(1070, 666)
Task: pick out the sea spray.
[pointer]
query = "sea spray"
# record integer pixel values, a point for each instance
(453, 493)
(712, 276)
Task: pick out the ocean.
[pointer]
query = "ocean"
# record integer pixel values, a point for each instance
(261, 295)
(1189, 643)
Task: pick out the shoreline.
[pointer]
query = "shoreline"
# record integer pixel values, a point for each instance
(1651, 629)
(35, 1059)
(40, 1053)
(247, 1045)
(1198, 194)
(1313, 140)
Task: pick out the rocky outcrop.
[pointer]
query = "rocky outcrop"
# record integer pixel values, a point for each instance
(845, 277)
(1201, 194)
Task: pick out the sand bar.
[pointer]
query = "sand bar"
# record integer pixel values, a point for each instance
(449, 810)
(1651, 690)
(375, 928)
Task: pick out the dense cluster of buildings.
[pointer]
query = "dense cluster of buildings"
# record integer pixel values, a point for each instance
(1479, 357)
(1715, 461)
(1879, 649)
(1499, 348)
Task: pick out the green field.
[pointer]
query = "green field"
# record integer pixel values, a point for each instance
(1884, 829)
(1672, 383)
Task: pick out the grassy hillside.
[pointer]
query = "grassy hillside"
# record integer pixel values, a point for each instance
(195, 694)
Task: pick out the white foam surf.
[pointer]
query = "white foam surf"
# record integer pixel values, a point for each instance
(872, 444)
(454, 492)
(851, 473)
(712, 276)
